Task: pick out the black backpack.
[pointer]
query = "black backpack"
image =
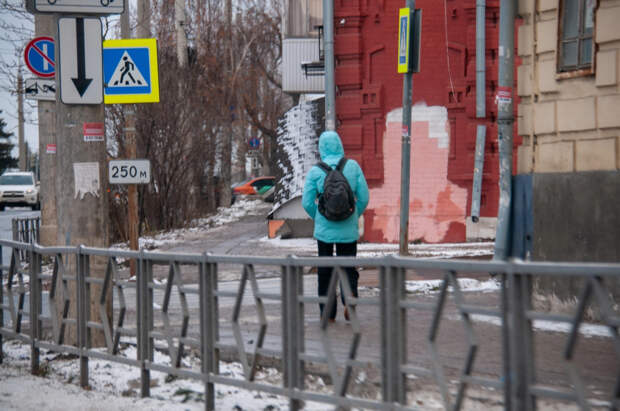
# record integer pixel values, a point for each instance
(337, 201)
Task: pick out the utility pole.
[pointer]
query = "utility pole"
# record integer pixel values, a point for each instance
(130, 153)
(143, 31)
(44, 26)
(505, 120)
(82, 190)
(20, 120)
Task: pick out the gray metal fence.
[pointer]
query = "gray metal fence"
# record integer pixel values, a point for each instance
(193, 317)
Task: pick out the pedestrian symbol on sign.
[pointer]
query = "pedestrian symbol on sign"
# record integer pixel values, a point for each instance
(130, 71)
(126, 74)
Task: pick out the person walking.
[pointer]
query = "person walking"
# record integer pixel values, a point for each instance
(330, 228)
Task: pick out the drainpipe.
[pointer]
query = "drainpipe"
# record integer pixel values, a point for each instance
(480, 59)
(505, 119)
(480, 109)
(330, 85)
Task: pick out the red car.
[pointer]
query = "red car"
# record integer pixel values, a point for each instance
(254, 186)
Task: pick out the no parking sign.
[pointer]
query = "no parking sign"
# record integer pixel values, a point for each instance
(40, 56)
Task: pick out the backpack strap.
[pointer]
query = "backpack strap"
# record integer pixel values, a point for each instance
(323, 166)
(341, 164)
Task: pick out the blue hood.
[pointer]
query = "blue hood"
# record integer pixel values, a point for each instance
(330, 147)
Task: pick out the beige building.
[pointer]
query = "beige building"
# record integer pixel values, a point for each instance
(568, 166)
(569, 85)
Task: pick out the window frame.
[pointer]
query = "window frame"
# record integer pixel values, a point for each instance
(578, 70)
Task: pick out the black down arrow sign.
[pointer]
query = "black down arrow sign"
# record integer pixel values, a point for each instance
(81, 82)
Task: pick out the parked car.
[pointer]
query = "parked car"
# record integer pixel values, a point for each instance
(256, 185)
(19, 189)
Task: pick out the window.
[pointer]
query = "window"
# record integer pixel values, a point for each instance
(576, 29)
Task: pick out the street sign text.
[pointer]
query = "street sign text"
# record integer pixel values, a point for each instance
(129, 171)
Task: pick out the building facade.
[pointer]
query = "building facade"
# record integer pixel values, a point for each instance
(369, 114)
(569, 122)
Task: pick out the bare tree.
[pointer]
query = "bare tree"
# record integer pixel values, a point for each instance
(208, 108)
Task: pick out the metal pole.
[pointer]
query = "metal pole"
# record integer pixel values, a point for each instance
(1, 302)
(82, 315)
(406, 152)
(505, 119)
(330, 86)
(35, 308)
(208, 321)
(20, 120)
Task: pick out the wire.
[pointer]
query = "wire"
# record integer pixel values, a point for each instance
(445, 16)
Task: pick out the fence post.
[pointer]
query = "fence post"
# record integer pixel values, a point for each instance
(292, 331)
(37, 236)
(143, 324)
(82, 314)
(1, 302)
(521, 335)
(35, 308)
(208, 327)
(505, 307)
(393, 334)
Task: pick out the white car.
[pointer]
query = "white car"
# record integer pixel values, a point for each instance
(19, 189)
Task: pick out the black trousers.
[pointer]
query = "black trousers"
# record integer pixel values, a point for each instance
(325, 273)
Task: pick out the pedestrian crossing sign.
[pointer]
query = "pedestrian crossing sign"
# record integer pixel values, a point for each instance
(130, 71)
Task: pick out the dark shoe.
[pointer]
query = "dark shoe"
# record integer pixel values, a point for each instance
(332, 320)
(346, 314)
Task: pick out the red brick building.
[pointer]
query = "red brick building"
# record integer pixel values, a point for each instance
(369, 115)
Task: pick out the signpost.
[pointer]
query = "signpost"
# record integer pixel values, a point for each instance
(40, 89)
(129, 171)
(76, 6)
(39, 56)
(130, 71)
(80, 60)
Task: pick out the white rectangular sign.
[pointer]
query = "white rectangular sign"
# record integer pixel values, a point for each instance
(40, 89)
(129, 171)
(79, 6)
(81, 60)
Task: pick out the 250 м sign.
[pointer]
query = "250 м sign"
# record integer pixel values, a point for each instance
(129, 171)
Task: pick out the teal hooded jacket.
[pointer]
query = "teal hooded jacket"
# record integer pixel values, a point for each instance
(345, 231)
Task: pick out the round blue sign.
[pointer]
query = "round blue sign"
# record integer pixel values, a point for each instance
(254, 142)
(40, 56)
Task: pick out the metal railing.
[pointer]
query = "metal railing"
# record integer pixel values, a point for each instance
(165, 320)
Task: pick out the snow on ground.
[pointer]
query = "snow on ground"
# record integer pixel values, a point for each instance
(465, 284)
(225, 215)
(115, 386)
(452, 250)
(248, 206)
